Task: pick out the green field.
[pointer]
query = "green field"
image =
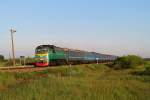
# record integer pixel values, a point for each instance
(80, 82)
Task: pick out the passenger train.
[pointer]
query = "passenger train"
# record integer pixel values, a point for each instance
(47, 55)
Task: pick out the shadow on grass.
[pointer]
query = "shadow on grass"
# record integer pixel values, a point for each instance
(144, 76)
(115, 67)
(145, 72)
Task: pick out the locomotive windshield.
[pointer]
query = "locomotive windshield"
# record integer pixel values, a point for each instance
(41, 50)
(44, 50)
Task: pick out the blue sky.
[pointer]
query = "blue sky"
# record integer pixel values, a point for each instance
(118, 27)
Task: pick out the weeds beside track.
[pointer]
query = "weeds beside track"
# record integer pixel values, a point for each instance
(80, 82)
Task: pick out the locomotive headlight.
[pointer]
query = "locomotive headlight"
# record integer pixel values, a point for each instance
(41, 59)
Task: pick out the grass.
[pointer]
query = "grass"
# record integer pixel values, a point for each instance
(80, 82)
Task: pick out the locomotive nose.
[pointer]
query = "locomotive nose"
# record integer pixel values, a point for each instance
(42, 60)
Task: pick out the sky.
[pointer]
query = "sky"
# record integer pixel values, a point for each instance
(117, 27)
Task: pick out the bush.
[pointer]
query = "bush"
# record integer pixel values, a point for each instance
(129, 61)
(1, 58)
(147, 70)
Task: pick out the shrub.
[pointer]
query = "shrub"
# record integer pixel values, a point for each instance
(147, 70)
(1, 58)
(129, 61)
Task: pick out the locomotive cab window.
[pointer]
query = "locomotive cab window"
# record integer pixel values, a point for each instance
(41, 50)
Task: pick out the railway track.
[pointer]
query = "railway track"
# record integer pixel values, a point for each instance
(21, 69)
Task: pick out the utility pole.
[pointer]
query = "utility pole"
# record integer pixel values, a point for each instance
(13, 50)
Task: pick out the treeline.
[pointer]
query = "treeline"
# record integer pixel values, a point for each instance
(147, 59)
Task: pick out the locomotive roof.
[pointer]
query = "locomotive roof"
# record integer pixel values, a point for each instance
(41, 46)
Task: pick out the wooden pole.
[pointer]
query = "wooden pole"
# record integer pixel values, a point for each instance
(13, 50)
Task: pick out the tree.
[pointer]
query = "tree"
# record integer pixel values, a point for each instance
(1, 58)
(128, 61)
